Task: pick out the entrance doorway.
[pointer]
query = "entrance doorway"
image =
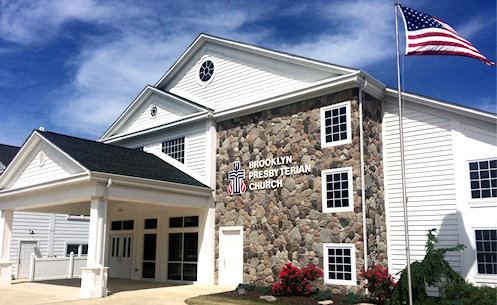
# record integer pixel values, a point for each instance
(230, 255)
(120, 256)
(24, 264)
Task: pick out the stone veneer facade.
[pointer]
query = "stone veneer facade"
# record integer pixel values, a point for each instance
(287, 224)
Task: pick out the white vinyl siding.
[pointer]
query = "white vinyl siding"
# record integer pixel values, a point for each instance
(54, 168)
(195, 144)
(22, 224)
(430, 183)
(69, 230)
(167, 111)
(239, 81)
(65, 231)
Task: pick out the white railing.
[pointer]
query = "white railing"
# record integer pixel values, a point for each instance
(56, 267)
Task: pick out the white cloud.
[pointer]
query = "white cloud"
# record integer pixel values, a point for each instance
(361, 35)
(474, 26)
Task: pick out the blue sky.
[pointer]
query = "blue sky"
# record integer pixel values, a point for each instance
(74, 66)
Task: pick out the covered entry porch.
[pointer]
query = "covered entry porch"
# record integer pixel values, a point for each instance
(154, 231)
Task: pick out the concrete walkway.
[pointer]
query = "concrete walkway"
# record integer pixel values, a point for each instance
(120, 292)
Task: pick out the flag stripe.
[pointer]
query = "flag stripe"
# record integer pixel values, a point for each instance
(427, 35)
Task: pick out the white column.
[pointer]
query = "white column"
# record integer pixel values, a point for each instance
(205, 268)
(5, 236)
(94, 276)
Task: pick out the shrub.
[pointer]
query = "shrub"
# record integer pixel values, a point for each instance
(296, 281)
(433, 270)
(352, 298)
(379, 283)
(248, 287)
(266, 290)
(324, 295)
(464, 293)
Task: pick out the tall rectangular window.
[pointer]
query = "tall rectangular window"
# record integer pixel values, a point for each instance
(183, 256)
(335, 125)
(486, 251)
(149, 253)
(339, 264)
(175, 148)
(483, 176)
(337, 190)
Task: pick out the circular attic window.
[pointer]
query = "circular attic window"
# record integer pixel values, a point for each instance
(153, 111)
(206, 71)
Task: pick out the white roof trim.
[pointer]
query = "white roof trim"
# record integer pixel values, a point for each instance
(26, 149)
(194, 117)
(458, 109)
(152, 184)
(180, 166)
(45, 185)
(146, 93)
(203, 38)
(343, 82)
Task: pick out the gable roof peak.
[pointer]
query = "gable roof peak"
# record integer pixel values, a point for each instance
(203, 39)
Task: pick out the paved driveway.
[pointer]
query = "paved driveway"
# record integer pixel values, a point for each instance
(121, 292)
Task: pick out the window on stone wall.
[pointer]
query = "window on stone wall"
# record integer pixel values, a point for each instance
(339, 264)
(337, 190)
(175, 148)
(486, 251)
(483, 177)
(335, 125)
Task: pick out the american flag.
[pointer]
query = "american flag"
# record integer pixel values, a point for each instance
(427, 35)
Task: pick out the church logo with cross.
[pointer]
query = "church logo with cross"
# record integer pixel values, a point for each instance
(237, 186)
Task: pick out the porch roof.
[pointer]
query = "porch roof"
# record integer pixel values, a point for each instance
(111, 159)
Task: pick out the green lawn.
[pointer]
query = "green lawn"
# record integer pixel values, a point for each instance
(215, 300)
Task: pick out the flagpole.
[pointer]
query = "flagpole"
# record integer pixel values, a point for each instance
(402, 163)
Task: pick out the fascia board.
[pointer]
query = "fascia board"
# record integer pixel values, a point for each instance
(152, 184)
(202, 39)
(46, 185)
(192, 118)
(326, 86)
(454, 108)
(139, 100)
(25, 150)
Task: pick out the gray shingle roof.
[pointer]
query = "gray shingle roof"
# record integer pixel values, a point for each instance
(111, 159)
(7, 153)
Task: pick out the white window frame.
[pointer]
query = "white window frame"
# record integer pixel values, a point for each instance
(353, 281)
(324, 190)
(197, 70)
(323, 123)
(477, 201)
(174, 138)
(80, 248)
(480, 277)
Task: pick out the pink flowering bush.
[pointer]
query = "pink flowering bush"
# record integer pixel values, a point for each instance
(379, 283)
(296, 281)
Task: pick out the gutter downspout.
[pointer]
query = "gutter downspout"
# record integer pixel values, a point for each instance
(363, 189)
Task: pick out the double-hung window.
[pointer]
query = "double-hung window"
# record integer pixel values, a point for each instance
(486, 251)
(337, 190)
(483, 177)
(175, 148)
(339, 264)
(335, 125)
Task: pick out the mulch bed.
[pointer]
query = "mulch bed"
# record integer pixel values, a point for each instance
(292, 300)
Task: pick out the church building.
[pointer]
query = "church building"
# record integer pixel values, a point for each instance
(241, 159)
